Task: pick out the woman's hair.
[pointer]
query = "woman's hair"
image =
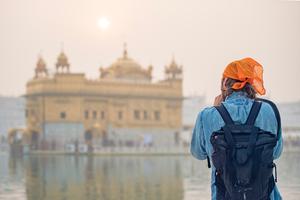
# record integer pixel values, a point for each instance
(248, 88)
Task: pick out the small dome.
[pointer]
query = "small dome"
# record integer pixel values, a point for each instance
(40, 65)
(40, 69)
(173, 70)
(173, 67)
(62, 60)
(62, 63)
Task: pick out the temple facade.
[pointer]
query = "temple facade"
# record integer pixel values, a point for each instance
(122, 107)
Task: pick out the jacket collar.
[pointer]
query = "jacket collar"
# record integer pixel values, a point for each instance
(237, 97)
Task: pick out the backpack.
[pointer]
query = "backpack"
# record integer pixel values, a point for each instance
(243, 157)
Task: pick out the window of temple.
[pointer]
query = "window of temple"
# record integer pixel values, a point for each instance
(86, 114)
(145, 114)
(102, 115)
(136, 114)
(157, 115)
(94, 114)
(63, 115)
(120, 115)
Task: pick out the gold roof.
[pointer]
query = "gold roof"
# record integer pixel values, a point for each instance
(127, 69)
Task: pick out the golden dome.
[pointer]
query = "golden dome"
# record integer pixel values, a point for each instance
(40, 69)
(62, 60)
(40, 65)
(173, 70)
(62, 63)
(125, 68)
(173, 67)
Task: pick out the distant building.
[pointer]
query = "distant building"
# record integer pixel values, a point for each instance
(12, 114)
(192, 105)
(122, 107)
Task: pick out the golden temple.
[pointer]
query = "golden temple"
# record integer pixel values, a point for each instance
(121, 106)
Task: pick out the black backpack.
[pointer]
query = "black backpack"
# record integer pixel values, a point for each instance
(243, 157)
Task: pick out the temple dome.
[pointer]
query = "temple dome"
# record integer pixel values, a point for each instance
(40, 69)
(40, 65)
(62, 60)
(62, 63)
(125, 68)
(173, 70)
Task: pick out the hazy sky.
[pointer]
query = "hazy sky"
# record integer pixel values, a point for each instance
(204, 36)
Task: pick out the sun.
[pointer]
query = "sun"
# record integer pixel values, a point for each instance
(103, 23)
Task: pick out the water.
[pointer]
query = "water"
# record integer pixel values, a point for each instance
(121, 177)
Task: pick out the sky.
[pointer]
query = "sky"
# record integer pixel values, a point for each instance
(203, 36)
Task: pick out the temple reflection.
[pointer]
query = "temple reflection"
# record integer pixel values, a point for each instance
(120, 177)
(69, 177)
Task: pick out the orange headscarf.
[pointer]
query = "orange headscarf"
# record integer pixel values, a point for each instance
(246, 70)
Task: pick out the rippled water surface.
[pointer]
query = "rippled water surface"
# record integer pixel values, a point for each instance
(125, 177)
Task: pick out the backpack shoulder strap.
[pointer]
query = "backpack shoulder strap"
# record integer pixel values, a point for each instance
(253, 113)
(276, 112)
(224, 114)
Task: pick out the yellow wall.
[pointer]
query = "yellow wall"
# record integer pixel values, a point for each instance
(74, 94)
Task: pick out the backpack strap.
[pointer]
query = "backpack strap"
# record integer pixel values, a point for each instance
(253, 113)
(228, 121)
(277, 114)
(224, 114)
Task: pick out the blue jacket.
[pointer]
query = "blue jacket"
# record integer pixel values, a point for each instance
(209, 120)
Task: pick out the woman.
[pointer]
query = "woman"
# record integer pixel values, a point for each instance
(242, 80)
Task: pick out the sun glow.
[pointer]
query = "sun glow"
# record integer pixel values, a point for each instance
(103, 23)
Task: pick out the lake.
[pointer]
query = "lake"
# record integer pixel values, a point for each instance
(67, 177)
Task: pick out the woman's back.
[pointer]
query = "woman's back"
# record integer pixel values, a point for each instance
(238, 106)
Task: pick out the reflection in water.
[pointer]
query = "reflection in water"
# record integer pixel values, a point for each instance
(69, 177)
(109, 178)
